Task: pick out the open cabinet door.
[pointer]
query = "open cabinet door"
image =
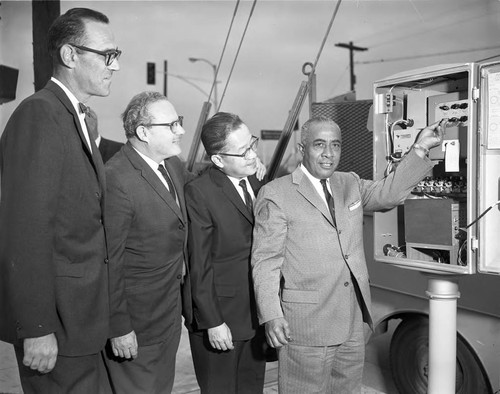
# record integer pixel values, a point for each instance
(489, 170)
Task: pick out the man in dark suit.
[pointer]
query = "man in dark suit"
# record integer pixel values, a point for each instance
(226, 346)
(147, 233)
(309, 268)
(108, 148)
(53, 257)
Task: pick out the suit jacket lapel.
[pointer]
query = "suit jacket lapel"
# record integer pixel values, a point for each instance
(306, 188)
(335, 185)
(61, 95)
(94, 156)
(230, 192)
(178, 182)
(150, 177)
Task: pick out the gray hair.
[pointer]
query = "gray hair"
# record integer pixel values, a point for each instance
(137, 112)
(306, 127)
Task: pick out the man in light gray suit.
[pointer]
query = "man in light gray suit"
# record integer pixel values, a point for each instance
(309, 268)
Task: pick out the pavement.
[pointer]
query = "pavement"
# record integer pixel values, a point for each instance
(377, 378)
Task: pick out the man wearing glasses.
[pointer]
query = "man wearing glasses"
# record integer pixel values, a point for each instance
(226, 345)
(146, 229)
(309, 267)
(54, 302)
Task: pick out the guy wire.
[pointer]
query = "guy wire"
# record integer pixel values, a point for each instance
(325, 37)
(222, 53)
(236, 56)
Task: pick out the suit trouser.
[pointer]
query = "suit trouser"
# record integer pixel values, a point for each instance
(334, 369)
(237, 371)
(152, 372)
(75, 375)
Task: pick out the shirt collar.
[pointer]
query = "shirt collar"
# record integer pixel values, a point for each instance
(153, 164)
(312, 178)
(70, 95)
(236, 181)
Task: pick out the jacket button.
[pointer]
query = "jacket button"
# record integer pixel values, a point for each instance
(97, 195)
(340, 232)
(181, 227)
(179, 276)
(346, 256)
(346, 284)
(106, 261)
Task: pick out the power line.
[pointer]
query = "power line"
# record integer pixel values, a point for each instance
(405, 31)
(395, 59)
(336, 84)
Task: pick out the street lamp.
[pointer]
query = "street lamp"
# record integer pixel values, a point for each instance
(214, 68)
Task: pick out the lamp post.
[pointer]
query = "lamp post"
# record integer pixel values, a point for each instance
(214, 68)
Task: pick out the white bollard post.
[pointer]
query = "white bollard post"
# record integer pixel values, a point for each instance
(443, 294)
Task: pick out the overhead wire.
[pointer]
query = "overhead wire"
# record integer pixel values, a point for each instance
(395, 59)
(237, 53)
(206, 107)
(313, 69)
(241, 42)
(222, 53)
(405, 31)
(297, 105)
(337, 83)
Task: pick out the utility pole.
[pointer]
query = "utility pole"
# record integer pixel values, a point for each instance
(165, 74)
(351, 48)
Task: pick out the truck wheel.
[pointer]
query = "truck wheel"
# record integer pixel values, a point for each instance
(409, 357)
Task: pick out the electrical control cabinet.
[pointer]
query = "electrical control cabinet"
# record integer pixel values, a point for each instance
(450, 223)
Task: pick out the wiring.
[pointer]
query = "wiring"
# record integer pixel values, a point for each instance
(393, 157)
(484, 213)
(462, 250)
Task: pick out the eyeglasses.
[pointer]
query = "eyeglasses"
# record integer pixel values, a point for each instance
(109, 56)
(252, 148)
(173, 125)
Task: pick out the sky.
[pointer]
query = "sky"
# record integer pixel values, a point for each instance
(281, 36)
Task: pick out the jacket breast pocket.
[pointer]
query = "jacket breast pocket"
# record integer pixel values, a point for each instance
(355, 205)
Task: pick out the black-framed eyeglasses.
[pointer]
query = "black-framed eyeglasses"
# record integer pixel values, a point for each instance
(109, 56)
(173, 125)
(252, 148)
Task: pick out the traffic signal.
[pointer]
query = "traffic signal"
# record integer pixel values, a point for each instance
(151, 74)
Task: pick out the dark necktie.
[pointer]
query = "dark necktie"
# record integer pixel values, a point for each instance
(329, 199)
(169, 181)
(90, 121)
(248, 198)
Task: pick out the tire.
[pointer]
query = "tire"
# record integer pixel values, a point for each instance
(409, 357)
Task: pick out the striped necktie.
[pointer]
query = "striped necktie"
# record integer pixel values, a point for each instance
(329, 199)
